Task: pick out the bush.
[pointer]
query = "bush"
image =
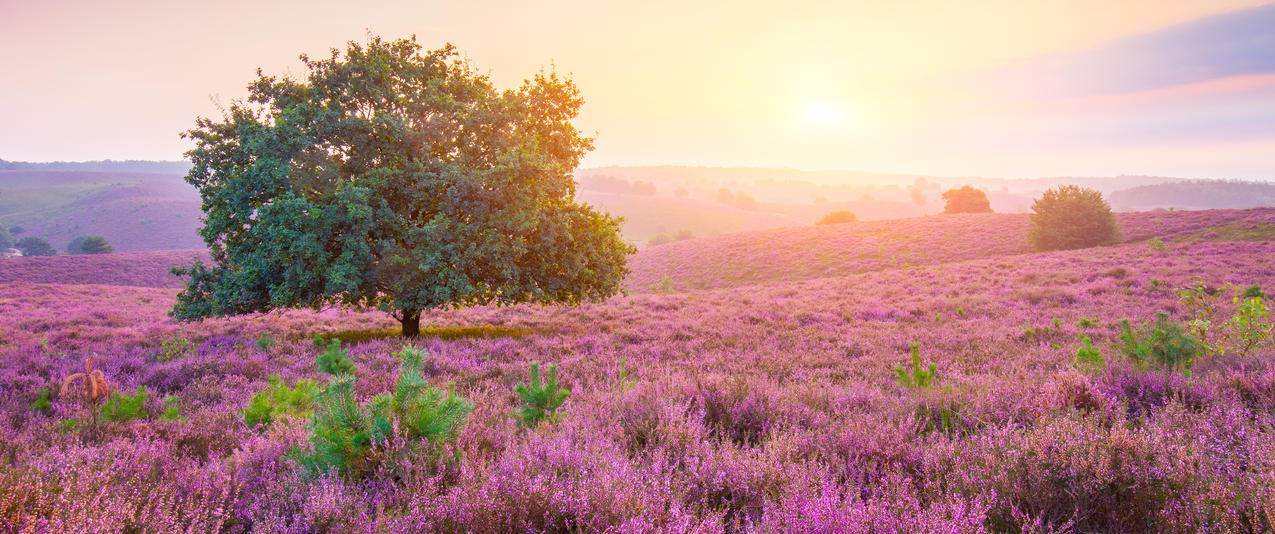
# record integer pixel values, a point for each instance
(6, 240)
(540, 401)
(278, 401)
(43, 401)
(1069, 217)
(966, 199)
(175, 349)
(1162, 344)
(342, 432)
(89, 244)
(122, 408)
(265, 342)
(34, 246)
(172, 409)
(334, 359)
(838, 217)
(917, 377)
(1088, 357)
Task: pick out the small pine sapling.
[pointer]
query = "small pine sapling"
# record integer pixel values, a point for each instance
(43, 401)
(540, 400)
(1162, 344)
(917, 376)
(172, 409)
(278, 401)
(334, 359)
(121, 408)
(1088, 357)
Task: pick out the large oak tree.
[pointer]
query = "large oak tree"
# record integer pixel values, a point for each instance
(400, 179)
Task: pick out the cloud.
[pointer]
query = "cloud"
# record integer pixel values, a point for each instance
(1233, 44)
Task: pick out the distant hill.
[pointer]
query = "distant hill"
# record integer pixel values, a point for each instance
(163, 167)
(1196, 194)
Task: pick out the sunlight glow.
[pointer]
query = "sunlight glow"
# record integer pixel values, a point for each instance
(825, 112)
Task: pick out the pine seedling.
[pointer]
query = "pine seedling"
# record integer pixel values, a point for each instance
(278, 401)
(541, 400)
(917, 376)
(172, 409)
(43, 401)
(122, 408)
(1088, 356)
(334, 359)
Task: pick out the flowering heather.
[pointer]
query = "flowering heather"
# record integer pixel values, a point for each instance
(142, 269)
(759, 408)
(842, 249)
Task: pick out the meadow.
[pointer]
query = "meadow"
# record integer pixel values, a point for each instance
(757, 382)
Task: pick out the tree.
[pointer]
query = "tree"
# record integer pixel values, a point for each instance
(966, 199)
(838, 217)
(398, 179)
(89, 244)
(34, 246)
(6, 239)
(1071, 216)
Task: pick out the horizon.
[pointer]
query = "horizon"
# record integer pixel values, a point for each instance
(1013, 91)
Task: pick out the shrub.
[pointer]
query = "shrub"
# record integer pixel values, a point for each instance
(174, 349)
(966, 199)
(1156, 244)
(838, 217)
(1250, 325)
(34, 246)
(1088, 357)
(89, 244)
(1162, 344)
(334, 359)
(43, 401)
(342, 432)
(917, 376)
(172, 409)
(278, 400)
(265, 341)
(122, 408)
(540, 401)
(665, 285)
(6, 239)
(1069, 217)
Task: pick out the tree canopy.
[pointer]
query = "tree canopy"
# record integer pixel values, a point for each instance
(1070, 216)
(400, 179)
(966, 199)
(89, 244)
(35, 246)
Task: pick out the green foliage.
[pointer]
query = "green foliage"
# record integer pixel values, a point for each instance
(838, 217)
(265, 341)
(918, 376)
(1156, 244)
(1086, 322)
(6, 239)
(174, 349)
(121, 408)
(43, 401)
(343, 432)
(1088, 357)
(278, 401)
(35, 246)
(330, 189)
(89, 244)
(540, 400)
(1250, 326)
(172, 409)
(665, 285)
(68, 425)
(333, 359)
(624, 378)
(1069, 216)
(1162, 344)
(966, 199)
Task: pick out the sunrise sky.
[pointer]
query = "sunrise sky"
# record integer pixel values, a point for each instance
(1005, 89)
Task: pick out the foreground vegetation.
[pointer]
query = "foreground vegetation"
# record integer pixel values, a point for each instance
(1026, 405)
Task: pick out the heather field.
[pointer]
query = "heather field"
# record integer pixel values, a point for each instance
(717, 404)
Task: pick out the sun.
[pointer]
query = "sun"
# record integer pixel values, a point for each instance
(825, 112)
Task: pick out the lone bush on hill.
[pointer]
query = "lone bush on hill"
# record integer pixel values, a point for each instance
(89, 244)
(838, 217)
(966, 199)
(393, 178)
(6, 239)
(1069, 217)
(34, 246)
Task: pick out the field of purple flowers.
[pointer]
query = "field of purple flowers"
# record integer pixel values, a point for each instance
(761, 408)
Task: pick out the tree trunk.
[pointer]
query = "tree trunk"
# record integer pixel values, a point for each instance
(411, 323)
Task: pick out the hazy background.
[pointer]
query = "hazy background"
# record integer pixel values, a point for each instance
(1010, 89)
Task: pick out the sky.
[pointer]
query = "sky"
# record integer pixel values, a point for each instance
(1010, 89)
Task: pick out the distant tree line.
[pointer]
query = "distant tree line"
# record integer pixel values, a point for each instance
(1197, 194)
(610, 184)
(171, 167)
